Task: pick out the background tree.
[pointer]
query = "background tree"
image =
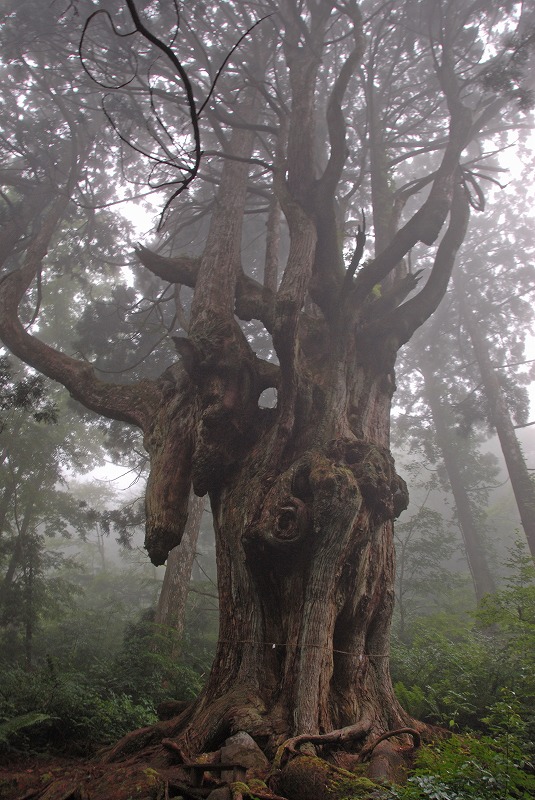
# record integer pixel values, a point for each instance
(429, 427)
(36, 450)
(444, 368)
(425, 544)
(171, 610)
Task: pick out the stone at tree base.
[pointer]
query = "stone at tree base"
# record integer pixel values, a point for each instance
(242, 749)
(221, 793)
(311, 778)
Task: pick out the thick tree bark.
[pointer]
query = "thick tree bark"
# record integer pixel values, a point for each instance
(306, 579)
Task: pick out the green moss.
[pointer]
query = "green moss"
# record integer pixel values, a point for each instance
(354, 787)
(311, 778)
(241, 788)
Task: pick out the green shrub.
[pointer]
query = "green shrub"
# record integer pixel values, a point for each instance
(453, 668)
(75, 716)
(413, 699)
(470, 768)
(466, 768)
(147, 668)
(446, 681)
(11, 727)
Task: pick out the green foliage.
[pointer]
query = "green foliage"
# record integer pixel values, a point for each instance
(11, 727)
(413, 699)
(512, 610)
(110, 665)
(75, 715)
(445, 680)
(90, 636)
(24, 392)
(147, 669)
(452, 668)
(424, 544)
(466, 768)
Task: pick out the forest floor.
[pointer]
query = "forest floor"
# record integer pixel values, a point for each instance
(47, 777)
(24, 775)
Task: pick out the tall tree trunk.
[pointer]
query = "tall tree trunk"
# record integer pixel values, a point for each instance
(15, 560)
(446, 439)
(29, 614)
(500, 418)
(474, 547)
(171, 609)
(303, 495)
(5, 503)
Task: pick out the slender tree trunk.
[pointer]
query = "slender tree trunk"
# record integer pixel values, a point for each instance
(101, 547)
(475, 551)
(5, 503)
(523, 486)
(29, 616)
(15, 560)
(171, 610)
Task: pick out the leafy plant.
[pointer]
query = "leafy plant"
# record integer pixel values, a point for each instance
(445, 680)
(145, 668)
(12, 727)
(466, 768)
(78, 716)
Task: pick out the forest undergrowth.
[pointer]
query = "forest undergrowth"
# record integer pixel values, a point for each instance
(470, 672)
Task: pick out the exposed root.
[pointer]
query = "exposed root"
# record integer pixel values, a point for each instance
(310, 778)
(175, 748)
(348, 734)
(142, 739)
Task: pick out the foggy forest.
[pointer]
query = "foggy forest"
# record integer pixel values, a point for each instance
(267, 405)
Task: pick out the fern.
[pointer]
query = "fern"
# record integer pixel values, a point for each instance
(16, 724)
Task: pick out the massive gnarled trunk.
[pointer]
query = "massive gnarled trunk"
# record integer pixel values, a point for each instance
(305, 565)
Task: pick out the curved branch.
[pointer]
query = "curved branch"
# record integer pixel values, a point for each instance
(227, 59)
(407, 318)
(139, 27)
(336, 123)
(416, 739)
(150, 37)
(425, 225)
(252, 300)
(175, 269)
(132, 404)
(328, 265)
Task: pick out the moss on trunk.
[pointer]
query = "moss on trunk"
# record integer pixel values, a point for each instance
(310, 778)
